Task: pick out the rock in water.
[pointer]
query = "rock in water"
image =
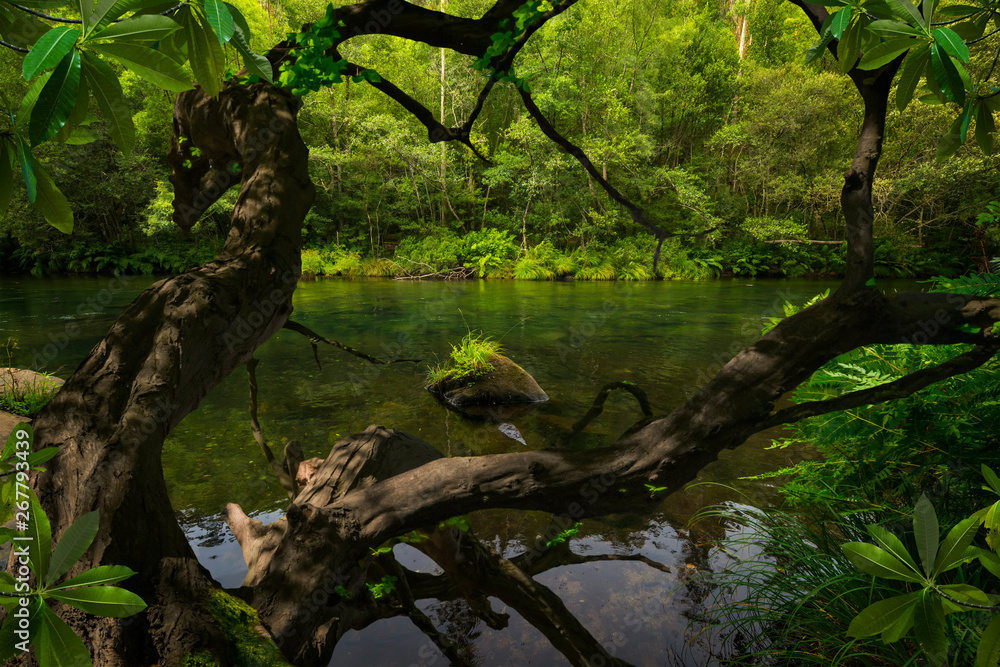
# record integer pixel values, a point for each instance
(506, 384)
(511, 432)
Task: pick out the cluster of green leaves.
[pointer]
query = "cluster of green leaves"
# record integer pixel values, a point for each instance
(564, 535)
(312, 67)
(67, 66)
(469, 359)
(923, 611)
(383, 588)
(880, 31)
(525, 16)
(92, 591)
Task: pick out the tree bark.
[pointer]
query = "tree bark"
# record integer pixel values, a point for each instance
(183, 335)
(176, 341)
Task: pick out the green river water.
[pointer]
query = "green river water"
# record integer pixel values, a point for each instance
(667, 337)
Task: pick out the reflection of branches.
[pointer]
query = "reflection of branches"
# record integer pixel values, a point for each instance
(315, 338)
(285, 470)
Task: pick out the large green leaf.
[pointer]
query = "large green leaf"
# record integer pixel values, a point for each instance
(907, 11)
(882, 615)
(48, 50)
(951, 43)
(29, 100)
(102, 575)
(985, 128)
(947, 76)
(886, 52)
(929, 627)
(86, 8)
(928, 7)
(53, 205)
(876, 561)
(826, 36)
(78, 114)
(841, 20)
(218, 16)
(101, 600)
(952, 551)
(72, 545)
(849, 48)
(896, 28)
(8, 640)
(893, 545)
(988, 653)
(901, 627)
(206, 56)
(109, 10)
(57, 645)
(6, 180)
(57, 99)
(151, 65)
(927, 532)
(255, 64)
(110, 100)
(27, 162)
(139, 29)
(39, 531)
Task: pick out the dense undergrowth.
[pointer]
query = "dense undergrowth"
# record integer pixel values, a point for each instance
(796, 591)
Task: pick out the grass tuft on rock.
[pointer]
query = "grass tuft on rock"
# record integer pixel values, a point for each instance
(469, 359)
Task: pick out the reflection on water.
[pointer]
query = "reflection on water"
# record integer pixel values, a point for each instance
(666, 337)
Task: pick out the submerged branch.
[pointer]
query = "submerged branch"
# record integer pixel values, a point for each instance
(315, 338)
(293, 453)
(598, 407)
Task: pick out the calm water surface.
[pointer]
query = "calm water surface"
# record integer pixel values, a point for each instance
(666, 337)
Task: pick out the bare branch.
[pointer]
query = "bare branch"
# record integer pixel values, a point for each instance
(316, 338)
(637, 215)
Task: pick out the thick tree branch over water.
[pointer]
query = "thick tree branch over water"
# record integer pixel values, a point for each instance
(183, 335)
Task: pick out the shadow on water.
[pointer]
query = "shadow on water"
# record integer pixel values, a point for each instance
(631, 581)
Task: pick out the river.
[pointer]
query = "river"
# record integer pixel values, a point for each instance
(666, 337)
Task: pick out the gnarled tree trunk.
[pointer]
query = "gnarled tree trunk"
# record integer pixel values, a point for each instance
(183, 335)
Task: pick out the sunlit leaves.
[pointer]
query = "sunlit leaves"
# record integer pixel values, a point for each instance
(148, 64)
(207, 59)
(218, 16)
(886, 52)
(50, 48)
(138, 29)
(72, 546)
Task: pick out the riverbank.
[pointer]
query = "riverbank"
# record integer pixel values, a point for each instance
(496, 254)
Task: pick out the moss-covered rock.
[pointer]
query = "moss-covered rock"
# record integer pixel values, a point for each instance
(506, 384)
